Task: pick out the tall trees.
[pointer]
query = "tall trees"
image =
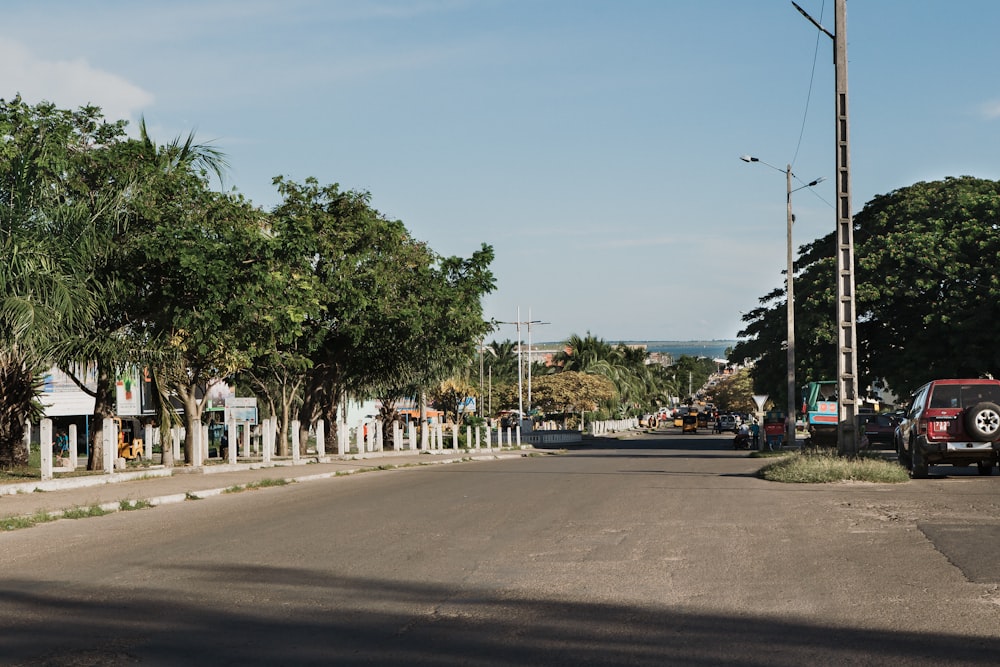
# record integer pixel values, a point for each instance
(572, 392)
(42, 293)
(212, 293)
(926, 292)
(118, 253)
(637, 384)
(395, 317)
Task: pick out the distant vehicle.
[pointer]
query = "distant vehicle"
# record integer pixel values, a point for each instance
(689, 423)
(951, 421)
(880, 429)
(822, 412)
(728, 423)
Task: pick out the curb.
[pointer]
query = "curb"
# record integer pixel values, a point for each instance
(155, 501)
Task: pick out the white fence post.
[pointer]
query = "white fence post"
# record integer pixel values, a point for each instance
(45, 445)
(266, 443)
(320, 438)
(27, 439)
(73, 454)
(175, 441)
(296, 442)
(232, 436)
(109, 442)
(246, 439)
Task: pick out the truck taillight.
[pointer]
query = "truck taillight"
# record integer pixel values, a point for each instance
(921, 426)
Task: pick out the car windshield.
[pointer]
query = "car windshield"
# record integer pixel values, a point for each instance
(964, 395)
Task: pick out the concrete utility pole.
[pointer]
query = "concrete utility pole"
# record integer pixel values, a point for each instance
(789, 296)
(790, 315)
(847, 361)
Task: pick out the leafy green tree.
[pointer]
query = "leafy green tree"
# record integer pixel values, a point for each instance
(41, 295)
(735, 392)
(571, 392)
(396, 318)
(638, 385)
(451, 395)
(502, 359)
(924, 299)
(112, 196)
(210, 289)
(691, 372)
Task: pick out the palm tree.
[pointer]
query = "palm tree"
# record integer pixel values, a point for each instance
(40, 297)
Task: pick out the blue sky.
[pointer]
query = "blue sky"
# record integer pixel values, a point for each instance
(594, 145)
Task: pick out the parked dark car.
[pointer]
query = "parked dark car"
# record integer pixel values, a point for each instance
(951, 421)
(880, 429)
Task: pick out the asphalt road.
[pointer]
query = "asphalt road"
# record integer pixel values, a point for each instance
(655, 550)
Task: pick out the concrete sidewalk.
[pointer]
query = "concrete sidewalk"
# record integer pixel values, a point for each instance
(159, 485)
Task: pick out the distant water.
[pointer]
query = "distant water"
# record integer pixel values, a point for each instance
(713, 349)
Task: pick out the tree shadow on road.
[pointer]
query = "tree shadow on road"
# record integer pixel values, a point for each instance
(250, 615)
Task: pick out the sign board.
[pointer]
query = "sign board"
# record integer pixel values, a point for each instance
(127, 392)
(242, 410)
(760, 400)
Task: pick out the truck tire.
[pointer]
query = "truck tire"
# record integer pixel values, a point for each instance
(918, 464)
(903, 456)
(982, 422)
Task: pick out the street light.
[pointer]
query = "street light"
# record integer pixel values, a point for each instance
(789, 293)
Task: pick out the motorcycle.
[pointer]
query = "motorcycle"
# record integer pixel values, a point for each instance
(741, 441)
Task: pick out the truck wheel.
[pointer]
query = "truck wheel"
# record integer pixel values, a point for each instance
(985, 467)
(982, 422)
(918, 465)
(903, 456)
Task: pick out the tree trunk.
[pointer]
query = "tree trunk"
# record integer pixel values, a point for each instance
(104, 408)
(192, 421)
(283, 427)
(16, 393)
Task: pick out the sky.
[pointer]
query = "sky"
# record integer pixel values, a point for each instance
(593, 144)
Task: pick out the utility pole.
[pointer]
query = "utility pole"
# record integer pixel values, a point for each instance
(529, 323)
(790, 296)
(847, 360)
(520, 368)
(790, 315)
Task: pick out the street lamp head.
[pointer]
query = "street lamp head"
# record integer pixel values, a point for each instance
(748, 158)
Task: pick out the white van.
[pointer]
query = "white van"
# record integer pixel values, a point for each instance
(728, 423)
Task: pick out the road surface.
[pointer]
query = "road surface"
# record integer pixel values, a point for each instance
(659, 549)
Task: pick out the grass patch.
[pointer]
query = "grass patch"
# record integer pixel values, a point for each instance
(128, 505)
(84, 512)
(766, 454)
(264, 483)
(259, 484)
(814, 466)
(19, 522)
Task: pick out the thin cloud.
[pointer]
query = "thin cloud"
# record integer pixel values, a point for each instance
(990, 110)
(68, 83)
